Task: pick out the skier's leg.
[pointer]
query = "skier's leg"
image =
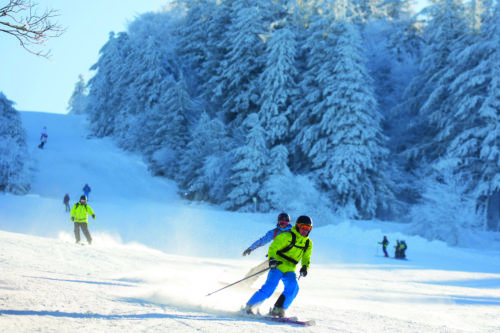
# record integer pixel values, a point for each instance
(77, 231)
(273, 278)
(86, 232)
(291, 289)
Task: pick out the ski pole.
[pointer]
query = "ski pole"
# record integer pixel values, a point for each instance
(232, 284)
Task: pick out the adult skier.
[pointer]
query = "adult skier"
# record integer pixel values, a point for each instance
(43, 137)
(402, 249)
(284, 254)
(397, 250)
(86, 190)
(384, 243)
(282, 226)
(66, 202)
(79, 215)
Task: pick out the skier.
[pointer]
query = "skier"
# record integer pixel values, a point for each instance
(86, 190)
(402, 249)
(43, 137)
(282, 226)
(384, 243)
(79, 215)
(66, 202)
(397, 247)
(284, 253)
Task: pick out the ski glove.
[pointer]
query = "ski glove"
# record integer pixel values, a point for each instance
(246, 252)
(73, 218)
(303, 271)
(93, 216)
(273, 263)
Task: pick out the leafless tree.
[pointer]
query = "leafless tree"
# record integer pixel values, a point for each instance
(20, 18)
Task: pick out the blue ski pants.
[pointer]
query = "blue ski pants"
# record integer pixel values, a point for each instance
(273, 278)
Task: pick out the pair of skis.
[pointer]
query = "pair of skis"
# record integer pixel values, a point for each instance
(285, 320)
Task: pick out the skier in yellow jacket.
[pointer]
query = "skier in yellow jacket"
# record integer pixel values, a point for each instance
(284, 254)
(79, 215)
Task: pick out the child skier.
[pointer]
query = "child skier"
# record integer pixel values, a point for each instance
(285, 252)
(79, 215)
(282, 226)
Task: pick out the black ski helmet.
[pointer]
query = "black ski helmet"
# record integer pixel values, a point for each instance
(284, 217)
(83, 197)
(304, 220)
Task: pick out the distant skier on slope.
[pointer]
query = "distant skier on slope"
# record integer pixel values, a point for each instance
(397, 249)
(384, 243)
(284, 253)
(283, 225)
(43, 137)
(79, 215)
(66, 202)
(402, 249)
(86, 191)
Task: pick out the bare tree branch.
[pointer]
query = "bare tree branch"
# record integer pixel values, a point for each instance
(20, 19)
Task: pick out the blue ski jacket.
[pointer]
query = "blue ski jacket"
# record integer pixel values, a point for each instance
(269, 236)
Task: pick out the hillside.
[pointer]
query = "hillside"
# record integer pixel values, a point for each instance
(155, 256)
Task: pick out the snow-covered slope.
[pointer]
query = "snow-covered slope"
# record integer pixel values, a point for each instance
(156, 256)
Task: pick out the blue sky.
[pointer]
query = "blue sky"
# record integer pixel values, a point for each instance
(37, 84)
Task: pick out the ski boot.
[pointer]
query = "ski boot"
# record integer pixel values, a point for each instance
(277, 312)
(249, 310)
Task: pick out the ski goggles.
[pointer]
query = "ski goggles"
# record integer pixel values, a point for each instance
(283, 223)
(305, 227)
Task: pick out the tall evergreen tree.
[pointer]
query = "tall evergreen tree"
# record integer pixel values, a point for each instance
(472, 128)
(78, 100)
(278, 83)
(237, 78)
(14, 158)
(107, 87)
(443, 33)
(250, 161)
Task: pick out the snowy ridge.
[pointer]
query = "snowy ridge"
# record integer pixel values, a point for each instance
(156, 256)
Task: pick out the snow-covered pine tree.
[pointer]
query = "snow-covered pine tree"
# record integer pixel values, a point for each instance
(349, 156)
(473, 126)
(206, 163)
(278, 84)
(171, 134)
(78, 100)
(248, 171)
(237, 78)
(315, 49)
(108, 86)
(443, 32)
(14, 157)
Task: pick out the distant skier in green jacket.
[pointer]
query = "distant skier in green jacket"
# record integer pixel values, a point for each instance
(384, 243)
(79, 215)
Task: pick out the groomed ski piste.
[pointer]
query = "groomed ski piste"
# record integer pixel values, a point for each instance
(155, 256)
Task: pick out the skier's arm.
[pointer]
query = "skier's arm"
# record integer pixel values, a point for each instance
(263, 240)
(306, 258)
(90, 211)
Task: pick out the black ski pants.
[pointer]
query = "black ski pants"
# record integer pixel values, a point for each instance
(85, 230)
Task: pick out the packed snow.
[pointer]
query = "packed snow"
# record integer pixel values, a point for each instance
(155, 257)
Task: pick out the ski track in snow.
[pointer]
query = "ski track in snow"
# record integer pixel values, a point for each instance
(156, 256)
